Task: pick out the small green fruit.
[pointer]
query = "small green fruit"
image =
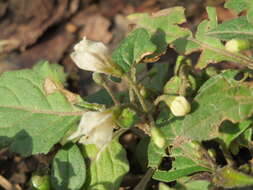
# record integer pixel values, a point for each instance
(38, 182)
(237, 45)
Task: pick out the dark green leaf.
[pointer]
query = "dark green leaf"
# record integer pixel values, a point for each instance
(229, 131)
(168, 176)
(69, 170)
(106, 166)
(133, 49)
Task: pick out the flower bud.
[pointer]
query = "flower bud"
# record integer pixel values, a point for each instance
(158, 137)
(179, 106)
(94, 56)
(237, 45)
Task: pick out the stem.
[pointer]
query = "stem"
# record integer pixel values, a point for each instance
(116, 102)
(227, 155)
(133, 77)
(144, 181)
(136, 91)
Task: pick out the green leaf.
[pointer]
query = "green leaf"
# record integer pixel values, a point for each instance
(212, 50)
(155, 155)
(186, 183)
(157, 81)
(163, 26)
(228, 177)
(141, 152)
(55, 71)
(69, 170)
(100, 97)
(245, 138)
(166, 20)
(236, 5)
(235, 28)
(133, 49)
(187, 161)
(195, 184)
(220, 98)
(168, 176)
(106, 167)
(240, 5)
(229, 131)
(35, 110)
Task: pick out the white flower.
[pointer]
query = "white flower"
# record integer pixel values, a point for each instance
(179, 106)
(93, 56)
(95, 128)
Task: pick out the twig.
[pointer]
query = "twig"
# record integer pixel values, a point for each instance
(6, 184)
(136, 90)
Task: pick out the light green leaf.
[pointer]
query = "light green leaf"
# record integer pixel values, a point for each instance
(56, 72)
(236, 5)
(133, 49)
(163, 26)
(220, 98)
(165, 21)
(35, 110)
(235, 28)
(240, 5)
(106, 168)
(69, 170)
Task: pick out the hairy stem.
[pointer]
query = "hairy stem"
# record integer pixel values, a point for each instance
(136, 91)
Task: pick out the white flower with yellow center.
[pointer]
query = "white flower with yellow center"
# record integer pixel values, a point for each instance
(95, 128)
(94, 56)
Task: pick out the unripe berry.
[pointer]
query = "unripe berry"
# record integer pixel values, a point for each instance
(237, 45)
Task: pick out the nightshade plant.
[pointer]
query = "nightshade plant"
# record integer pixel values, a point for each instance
(190, 112)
